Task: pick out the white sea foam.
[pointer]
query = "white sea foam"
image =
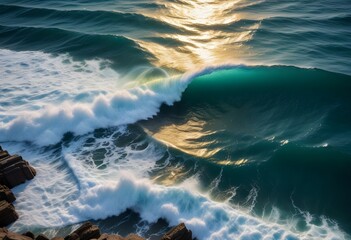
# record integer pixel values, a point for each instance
(45, 97)
(72, 188)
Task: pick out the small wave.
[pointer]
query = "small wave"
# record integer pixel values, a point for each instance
(103, 22)
(122, 52)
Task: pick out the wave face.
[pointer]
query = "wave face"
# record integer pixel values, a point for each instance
(139, 115)
(277, 135)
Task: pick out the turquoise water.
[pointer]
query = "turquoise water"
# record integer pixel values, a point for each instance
(233, 117)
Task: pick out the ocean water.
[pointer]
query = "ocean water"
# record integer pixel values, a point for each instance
(231, 116)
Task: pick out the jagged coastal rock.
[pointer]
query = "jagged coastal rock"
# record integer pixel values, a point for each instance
(88, 231)
(85, 232)
(8, 213)
(179, 232)
(6, 194)
(13, 171)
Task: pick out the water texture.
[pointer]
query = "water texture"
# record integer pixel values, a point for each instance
(231, 116)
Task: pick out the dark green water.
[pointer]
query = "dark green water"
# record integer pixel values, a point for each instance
(231, 116)
(292, 127)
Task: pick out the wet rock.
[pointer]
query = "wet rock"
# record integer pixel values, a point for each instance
(8, 214)
(15, 171)
(179, 232)
(106, 236)
(6, 194)
(133, 237)
(93, 232)
(85, 232)
(117, 237)
(3, 154)
(16, 236)
(41, 237)
(103, 236)
(72, 236)
(57, 238)
(85, 226)
(29, 234)
(88, 231)
(3, 231)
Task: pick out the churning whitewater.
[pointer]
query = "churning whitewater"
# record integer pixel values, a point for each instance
(106, 166)
(230, 116)
(45, 100)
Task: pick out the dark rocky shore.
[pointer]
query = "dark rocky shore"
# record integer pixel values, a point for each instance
(89, 231)
(14, 170)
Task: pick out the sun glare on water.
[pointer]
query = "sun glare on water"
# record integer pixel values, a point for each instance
(207, 34)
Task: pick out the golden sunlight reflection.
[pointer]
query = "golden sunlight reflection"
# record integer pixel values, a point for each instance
(189, 137)
(211, 33)
(170, 176)
(200, 132)
(227, 162)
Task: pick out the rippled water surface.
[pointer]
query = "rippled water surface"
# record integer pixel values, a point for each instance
(231, 116)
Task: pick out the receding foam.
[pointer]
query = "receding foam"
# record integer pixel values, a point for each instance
(71, 188)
